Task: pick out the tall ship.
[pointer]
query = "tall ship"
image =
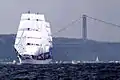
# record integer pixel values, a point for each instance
(33, 43)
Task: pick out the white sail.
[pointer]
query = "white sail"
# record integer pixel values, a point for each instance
(34, 35)
(33, 16)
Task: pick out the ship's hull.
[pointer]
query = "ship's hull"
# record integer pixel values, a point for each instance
(32, 61)
(45, 58)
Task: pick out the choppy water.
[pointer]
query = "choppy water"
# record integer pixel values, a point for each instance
(83, 71)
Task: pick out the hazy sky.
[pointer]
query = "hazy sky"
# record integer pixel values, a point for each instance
(61, 12)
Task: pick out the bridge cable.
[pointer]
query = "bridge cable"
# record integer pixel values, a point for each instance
(67, 26)
(103, 21)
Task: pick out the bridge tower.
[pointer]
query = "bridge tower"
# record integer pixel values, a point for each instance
(84, 27)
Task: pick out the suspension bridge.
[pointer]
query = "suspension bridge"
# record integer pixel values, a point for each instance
(85, 48)
(87, 22)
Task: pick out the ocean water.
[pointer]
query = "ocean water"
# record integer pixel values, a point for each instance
(82, 71)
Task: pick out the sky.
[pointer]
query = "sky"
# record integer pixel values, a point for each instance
(62, 12)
